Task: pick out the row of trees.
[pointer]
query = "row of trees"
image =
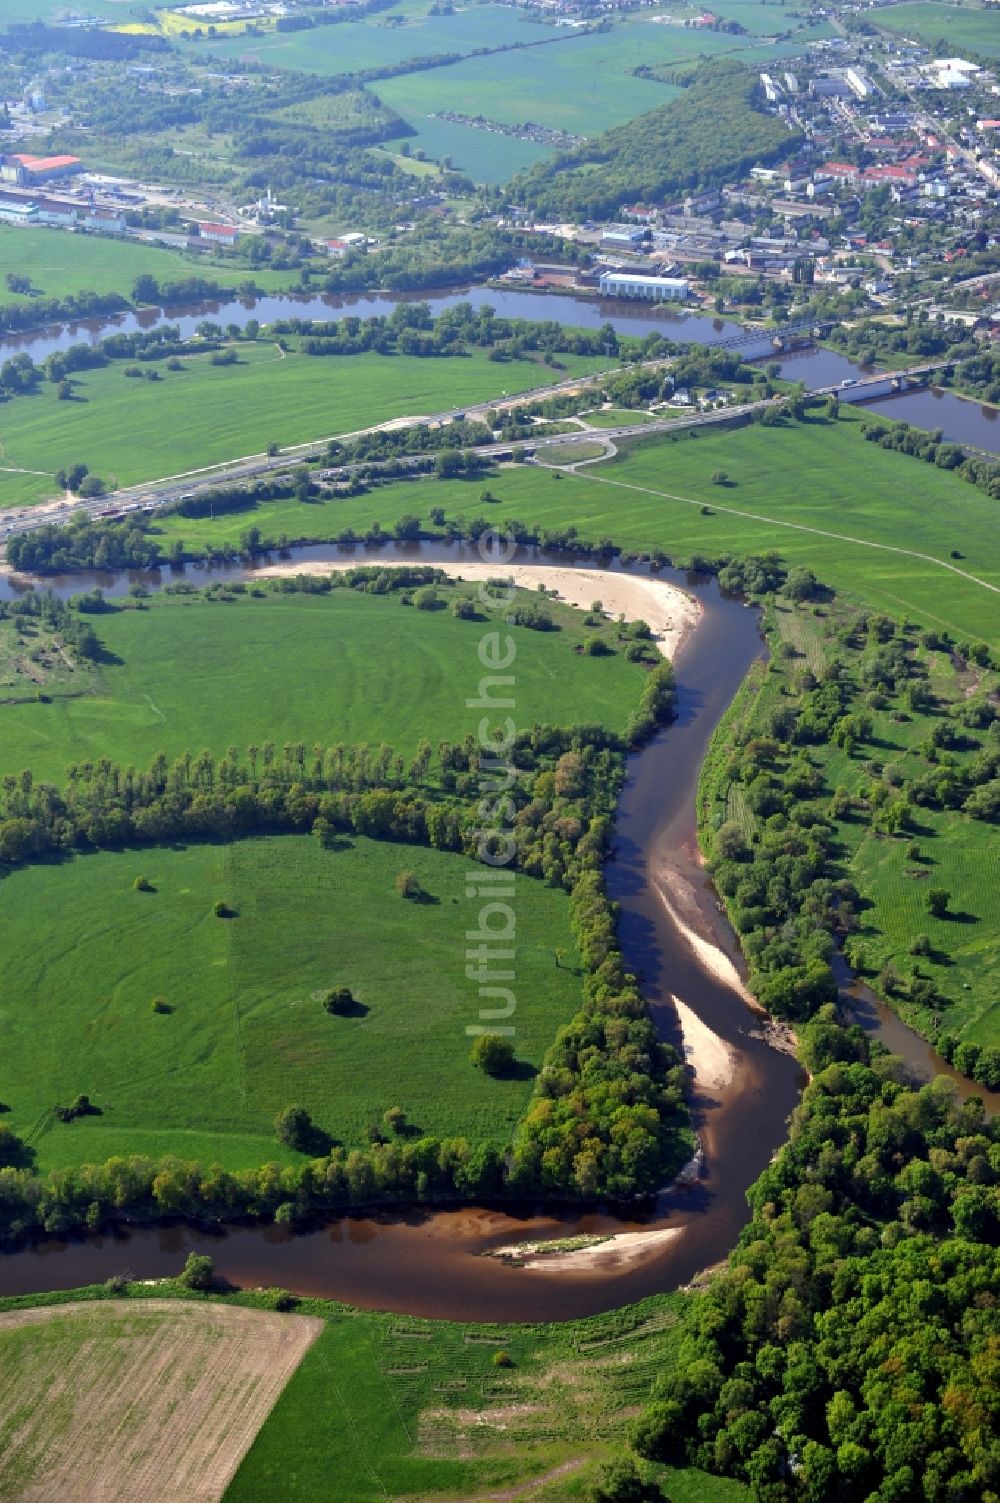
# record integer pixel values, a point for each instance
(932, 450)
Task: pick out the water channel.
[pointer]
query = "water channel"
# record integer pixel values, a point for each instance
(961, 421)
(428, 1262)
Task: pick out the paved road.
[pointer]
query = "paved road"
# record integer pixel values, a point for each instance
(157, 493)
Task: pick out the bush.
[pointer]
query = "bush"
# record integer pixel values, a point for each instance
(502, 1359)
(160, 1005)
(339, 1000)
(199, 1273)
(408, 887)
(143, 884)
(221, 909)
(937, 901)
(395, 1119)
(293, 1127)
(492, 1054)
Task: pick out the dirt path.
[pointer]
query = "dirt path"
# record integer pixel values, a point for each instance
(820, 532)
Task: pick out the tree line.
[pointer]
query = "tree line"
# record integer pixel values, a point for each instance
(607, 1117)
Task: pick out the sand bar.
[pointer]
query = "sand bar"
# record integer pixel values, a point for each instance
(669, 612)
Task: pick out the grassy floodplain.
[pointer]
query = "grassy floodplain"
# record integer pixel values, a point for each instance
(187, 673)
(380, 1403)
(61, 264)
(246, 1035)
(953, 850)
(136, 430)
(814, 492)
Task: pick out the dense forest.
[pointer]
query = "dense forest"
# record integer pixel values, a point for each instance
(848, 1353)
(712, 132)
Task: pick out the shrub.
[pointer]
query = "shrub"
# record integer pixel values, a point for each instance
(293, 1127)
(143, 884)
(502, 1359)
(339, 1000)
(492, 1054)
(221, 909)
(395, 1118)
(160, 1005)
(937, 901)
(199, 1273)
(408, 887)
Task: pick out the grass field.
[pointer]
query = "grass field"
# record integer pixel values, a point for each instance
(381, 41)
(381, 1405)
(962, 28)
(815, 492)
(409, 1408)
(85, 954)
(957, 852)
(134, 1402)
(341, 667)
(136, 430)
(60, 264)
(614, 417)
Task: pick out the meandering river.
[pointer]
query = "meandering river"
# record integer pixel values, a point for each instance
(428, 1261)
(961, 421)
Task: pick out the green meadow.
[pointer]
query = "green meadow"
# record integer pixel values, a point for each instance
(407, 1408)
(379, 42)
(960, 28)
(193, 673)
(246, 1033)
(61, 265)
(135, 430)
(936, 848)
(815, 492)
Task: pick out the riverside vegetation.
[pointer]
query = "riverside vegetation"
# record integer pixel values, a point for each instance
(606, 1115)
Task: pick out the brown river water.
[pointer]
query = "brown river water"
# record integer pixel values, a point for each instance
(429, 1262)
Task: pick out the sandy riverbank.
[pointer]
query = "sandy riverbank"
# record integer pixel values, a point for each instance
(675, 895)
(669, 612)
(616, 1254)
(711, 1058)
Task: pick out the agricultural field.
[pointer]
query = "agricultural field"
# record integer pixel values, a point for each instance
(188, 673)
(377, 1402)
(381, 41)
(242, 1032)
(129, 1402)
(134, 430)
(794, 488)
(62, 264)
(959, 28)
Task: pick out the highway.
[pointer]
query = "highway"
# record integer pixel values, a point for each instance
(154, 494)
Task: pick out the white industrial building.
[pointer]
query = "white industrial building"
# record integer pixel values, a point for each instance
(647, 289)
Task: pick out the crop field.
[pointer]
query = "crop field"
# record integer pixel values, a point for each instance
(960, 28)
(134, 1403)
(192, 673)
(136, 430)
(382, 41)
(244, 1032)
(60, 264)
(572, 85)
(815, 492)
